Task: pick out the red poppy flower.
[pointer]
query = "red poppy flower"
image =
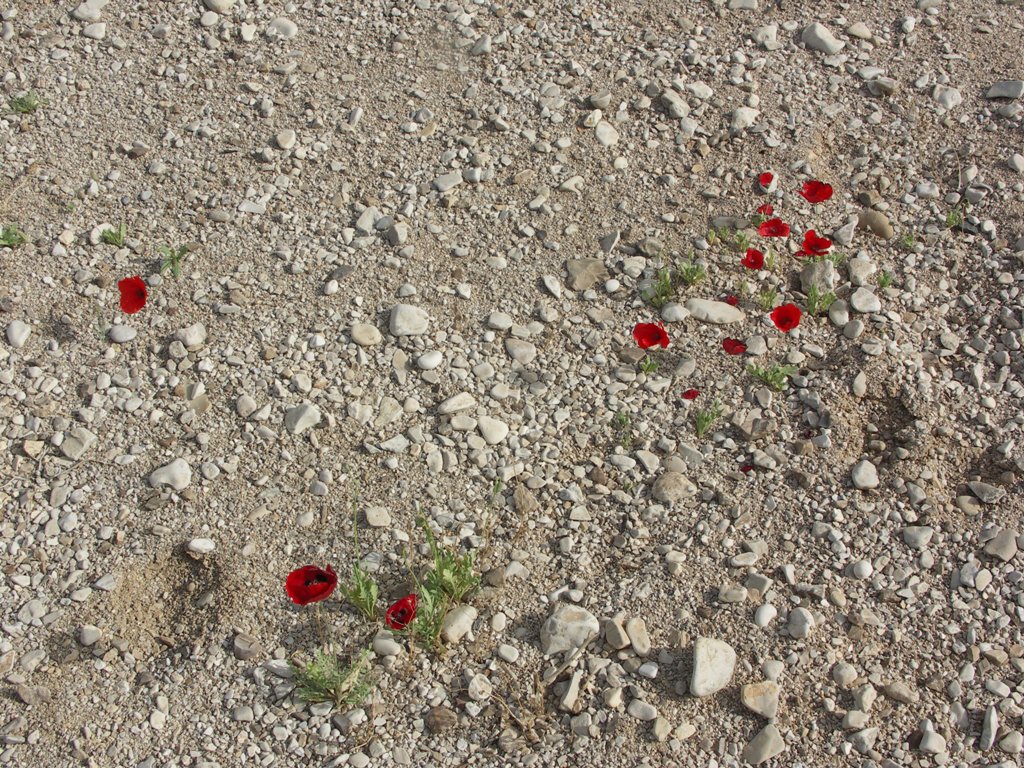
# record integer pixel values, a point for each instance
(773, 228)
(765, 179)
(133, 294)
(786, 317)
(747, 468)
(691, 394)
(650, 335)
(310, 584)
(733, 346)
(816, 191)
(814, 244)
(753, 260)
(731, 300)
(766, 209)
(401, 614)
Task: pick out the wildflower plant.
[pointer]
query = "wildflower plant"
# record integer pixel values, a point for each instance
(326, 678)
(775, 376)
(11, 236)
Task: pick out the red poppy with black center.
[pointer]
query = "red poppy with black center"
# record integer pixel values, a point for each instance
(766, 209)
(814, 244)
(765, 179)
(773, 228)
(731, 300)
(786, 317)
(753, 259)
(691, 394)
(650, 335)
(401, 614)
(310, 584)
(816, 191)
(133, 294)
(733, 346)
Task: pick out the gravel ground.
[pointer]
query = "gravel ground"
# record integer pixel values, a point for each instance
(387, 206)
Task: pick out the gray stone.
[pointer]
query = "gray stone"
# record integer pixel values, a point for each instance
(567, 628)
(377, 517)
(988, 493)
(713, 664)
(300, 418)
(285, 139)
(674, 104)
(615, 634)
(844, 674)
(820, 275)
(246, 647)
(385, 645)
(765, 745)
(177, 474)
(932, 743)
(89, 635)
(864, 475)
(428, 361)
(1006, 89)
(863, 741)
(77, 442)
(946, 96)
(800, 623)
(714, 312)
(95, 31)
(673, 487)
(742, 118)
(585, 273)
(407, 320)
(901, 692)
(219, 6)
(448, 181)
(17, 333)
(1003, 545)
(917, 536)
(1012, 743)
(202, 546)
(606, 134)
(641, 710)
(639, 638)
(989, 729)
(818, 38)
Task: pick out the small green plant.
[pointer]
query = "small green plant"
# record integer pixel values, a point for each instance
(431, 608)
(741, 241)
(712, 236)
(837, 258)
(955, 217)
(774, 376)
(115, 237)
(659, 294)
(705, 418)
(450, 573)
(690, 272)
(769, 261)
(624, 428)
(362, 592)
(25, 104)
(818, 302)
(648, 365)
(908, 241)
(172, 258)
(885, 279)
(11, 236)
(496, 489)
(766, 298)
(326, 678)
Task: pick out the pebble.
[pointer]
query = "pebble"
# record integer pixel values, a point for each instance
(492, 430)
(947, 97)
(177, 474)
(673, 488)
(767, 744)
(407, 320)
(877, 223)
(192, 337)
(121, 334)
(302, 417)
(366, 335)
(636, 629)
(282, 28)
(77, 443)
(1003, 546)
(817, 37)
(800, 623)
(606, 134)
(713, 664)
(88, 635)
(463, 401)
(220, 6)
(201, 546)
(864, 475)
(17, 333)
(761, 698)
(458, 623)
(245, 647)
(95, 31)
(641, 710)
(715, 312)
(567, 628)
(765, 615)
(865, 301)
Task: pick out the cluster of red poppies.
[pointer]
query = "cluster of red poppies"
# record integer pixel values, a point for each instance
(311, 584)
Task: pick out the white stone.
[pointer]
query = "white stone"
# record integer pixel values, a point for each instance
(282, 28)
(818, 38)
(458, 623)
(864, 475)
(606, 134)
(800, 624)
(192, 337)
(366, 335)
(95, 31)
(201, 546)
(460, 402)
(177, 474)
(219, 6)
(407, 320)
(492, 430)
(17, 333)
(713, 664)
(715, 312)
(285, 139)
(121, 334)
(567, 628)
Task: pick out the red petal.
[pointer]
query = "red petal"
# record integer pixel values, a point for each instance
(691, 394)
(133, 294)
